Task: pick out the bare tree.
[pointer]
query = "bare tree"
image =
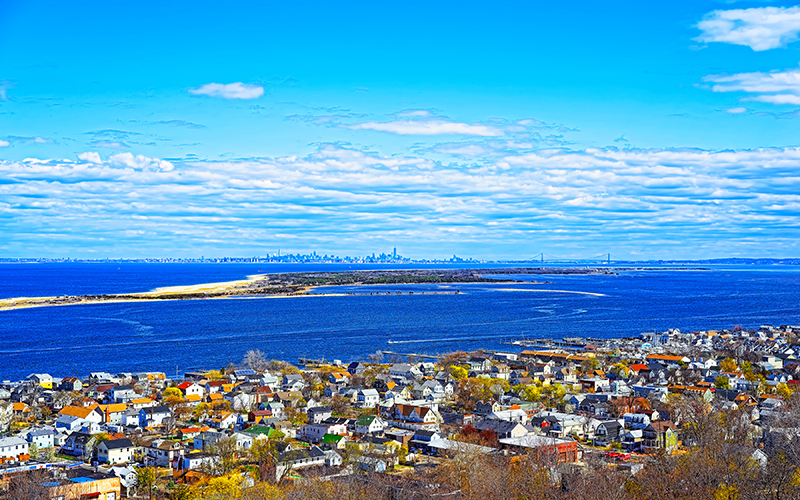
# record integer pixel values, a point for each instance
(255, 360)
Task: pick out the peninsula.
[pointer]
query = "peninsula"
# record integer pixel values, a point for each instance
(299, 284)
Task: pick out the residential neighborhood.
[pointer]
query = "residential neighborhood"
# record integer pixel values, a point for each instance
(610, 406)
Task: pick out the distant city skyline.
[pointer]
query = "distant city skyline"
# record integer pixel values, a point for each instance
(650, 131)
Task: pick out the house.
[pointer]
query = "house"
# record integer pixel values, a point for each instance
(313, 433)
(299, 458)
(293, 382)
(413, 417)
(632, 440)
(240, 401)
(500, 371)
(14, 448)
(258, 415)
(42, 438)
(130, 418)
(163, 453)
(511, 415)
(318, 414)
(665, 359)
(189, 433)
(479, 365)
(487, 407)
(501, 428)
(123, 393)
(70, 384)
(127, 478)
(547, 449)
(595, 384)
(405, 371)
(149, 376)
(68, 423)
(662, 434)
(223, 420)
(190, 389)
(90, 413)
(335, 441)
(207, 438)
(154, 416)
(608, 432)
(44, 380)
(75, 444)
(369, 424)
(84, 483)
(356, 368)
(277, 409)
(367, 398)
(636, 420)
(115, 451)
(566, 375)
(112, 414)
(338, 378)
(565, 424)
(139, 403)
(197, 460)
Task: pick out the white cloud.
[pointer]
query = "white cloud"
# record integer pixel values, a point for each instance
(760, 29)
(738, 110)
(645, 199)
(140, 162)
(777, 87)
(91, 157)
(237, 90)
(428, 127)
(4, 144)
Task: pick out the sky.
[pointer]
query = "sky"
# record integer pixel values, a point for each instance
(502, 130)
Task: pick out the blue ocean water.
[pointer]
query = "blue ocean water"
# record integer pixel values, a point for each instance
(186, 335)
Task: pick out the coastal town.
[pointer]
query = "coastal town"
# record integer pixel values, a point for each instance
(544, 417)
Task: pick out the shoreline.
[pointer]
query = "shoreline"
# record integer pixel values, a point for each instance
(17, 303)
(285, 285)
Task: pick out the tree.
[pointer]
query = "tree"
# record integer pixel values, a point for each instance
(530, 392)
(171, 392)
(146, 480)
(227, 458)
(728, 365)
(783, 391)
(200, 411)
(590, 364)
(255, 360)
(722, 382)
(33, 451)
(458, 372)
(264, 453)
(296, 415)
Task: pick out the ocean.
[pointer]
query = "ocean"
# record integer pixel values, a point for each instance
(178, 336)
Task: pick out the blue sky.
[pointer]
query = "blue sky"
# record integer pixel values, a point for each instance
(495, 131)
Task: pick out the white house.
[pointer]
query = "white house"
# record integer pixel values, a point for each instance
(42, 438)
(13, 447)
(197, 460)
(369, 424)
(162, 453)
(191, 389)
(313, 432)
(115, 451)
(368, 398)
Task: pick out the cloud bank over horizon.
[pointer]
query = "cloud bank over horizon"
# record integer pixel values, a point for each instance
(638, 203)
